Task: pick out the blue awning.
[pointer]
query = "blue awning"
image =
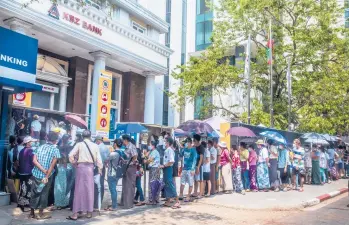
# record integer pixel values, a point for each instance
(15, 86)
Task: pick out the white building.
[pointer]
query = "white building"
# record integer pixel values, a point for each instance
(77, 41)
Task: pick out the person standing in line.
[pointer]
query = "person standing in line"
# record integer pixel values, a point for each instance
(139, 190)
(346, 162)
(262, 167)
(25, 168)
(129, 178)
(206, 168)
(308, 165)
(245, 167)
(45, 159)
(199, 162)
(283, 160)
(114, 160)
(315, 174)
(99, 185)
(189, 155)
(340, 163)
(86, 157)
(252, 160)
(273, 167)
(213, 166)
(35, 127)
(170, 189)
(153, 161)
(61, 195)
(227, 175)
(218, 164)
(323, 166)
(236, 170)
(298, 165)
(71, 174)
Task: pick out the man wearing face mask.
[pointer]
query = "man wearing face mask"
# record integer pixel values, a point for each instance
(188, 172)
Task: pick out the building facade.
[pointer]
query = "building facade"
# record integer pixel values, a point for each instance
(78, 40)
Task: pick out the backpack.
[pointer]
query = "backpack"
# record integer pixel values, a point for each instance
(122, 166)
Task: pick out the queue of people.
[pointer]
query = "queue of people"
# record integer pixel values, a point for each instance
(71, 174)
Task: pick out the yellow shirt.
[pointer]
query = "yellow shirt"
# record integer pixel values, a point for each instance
(244, 154)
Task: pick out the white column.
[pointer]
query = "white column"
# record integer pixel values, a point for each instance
(149, 107)
(18, 25)
(62, 97)
(52, 101)
(99, 65)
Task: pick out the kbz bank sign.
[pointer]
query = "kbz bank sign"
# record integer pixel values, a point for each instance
(18, 56)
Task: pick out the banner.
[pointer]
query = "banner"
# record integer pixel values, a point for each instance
(226, 137)
(104, 103)
(22, 99)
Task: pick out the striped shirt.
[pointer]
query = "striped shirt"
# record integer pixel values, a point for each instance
(346, 156)
(298, 158)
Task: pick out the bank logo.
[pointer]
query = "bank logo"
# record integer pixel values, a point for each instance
(53, 11)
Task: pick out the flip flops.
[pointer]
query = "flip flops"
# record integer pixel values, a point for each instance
(71, 218)
(176, 206)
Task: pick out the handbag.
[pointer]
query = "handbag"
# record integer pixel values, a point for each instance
(95, 168)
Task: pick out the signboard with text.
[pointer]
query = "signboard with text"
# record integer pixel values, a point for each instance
(22, 99)
(104, 103)
(18, 56)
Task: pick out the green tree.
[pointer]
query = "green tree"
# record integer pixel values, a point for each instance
(311, 35)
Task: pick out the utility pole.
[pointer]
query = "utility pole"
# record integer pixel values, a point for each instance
(271, 74)
(247, 74)
(289, 91)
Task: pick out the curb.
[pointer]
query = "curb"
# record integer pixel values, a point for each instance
(324, 197)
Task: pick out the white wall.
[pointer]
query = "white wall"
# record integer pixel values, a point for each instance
(191, 27)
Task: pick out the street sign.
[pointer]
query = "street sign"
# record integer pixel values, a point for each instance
(104, 102)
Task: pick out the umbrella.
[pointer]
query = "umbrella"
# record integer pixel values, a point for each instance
(317, 141)
(196, 126)
(328, 137)
(181, 133)
(312, 135)
(275, 136)
(215, 134)
(129, 128)
(241, 132)
(215, 122)
(76, 121)
(249, 140)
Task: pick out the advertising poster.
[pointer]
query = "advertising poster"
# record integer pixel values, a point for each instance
(23, 99)
(104, 103)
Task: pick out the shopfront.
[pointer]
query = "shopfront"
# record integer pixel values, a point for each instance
(18, 61)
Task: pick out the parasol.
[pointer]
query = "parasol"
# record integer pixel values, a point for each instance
(275, 136)
(241, 132)
(76, 121)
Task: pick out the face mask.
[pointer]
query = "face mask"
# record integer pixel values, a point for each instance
(186, 145)
(149, 148)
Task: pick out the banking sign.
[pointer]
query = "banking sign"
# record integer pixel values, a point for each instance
(18, 56)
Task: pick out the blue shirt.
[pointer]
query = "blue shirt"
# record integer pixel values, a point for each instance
(36, 125)
(45, 154)
(154, 154)
(283, 158)
(189, 156)
(104, 151)
(331, 153)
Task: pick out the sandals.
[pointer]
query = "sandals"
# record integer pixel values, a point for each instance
(165, 205)
(71, 218)
(140, 204)
(43, 217)
(176, 206)
(301, 190)
(207, 196)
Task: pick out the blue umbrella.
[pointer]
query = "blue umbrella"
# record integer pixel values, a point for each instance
(129, 128)
(312, 135)
(275, 136)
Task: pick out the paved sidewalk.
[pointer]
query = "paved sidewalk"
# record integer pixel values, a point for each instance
(270, 201)
(275, 200)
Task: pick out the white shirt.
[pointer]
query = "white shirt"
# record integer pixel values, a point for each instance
(206, 166)
(36, 125)
(50, 125)
(263, 155)
(213, 152)
(169, 156)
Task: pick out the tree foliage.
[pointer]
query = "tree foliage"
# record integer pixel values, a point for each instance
(307, 33)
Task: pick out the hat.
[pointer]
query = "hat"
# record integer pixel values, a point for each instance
(99, 138)
(35, 117)
(28, 139)
(260, 142)
(222, 144)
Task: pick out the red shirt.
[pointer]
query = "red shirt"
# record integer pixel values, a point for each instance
(235, 160)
